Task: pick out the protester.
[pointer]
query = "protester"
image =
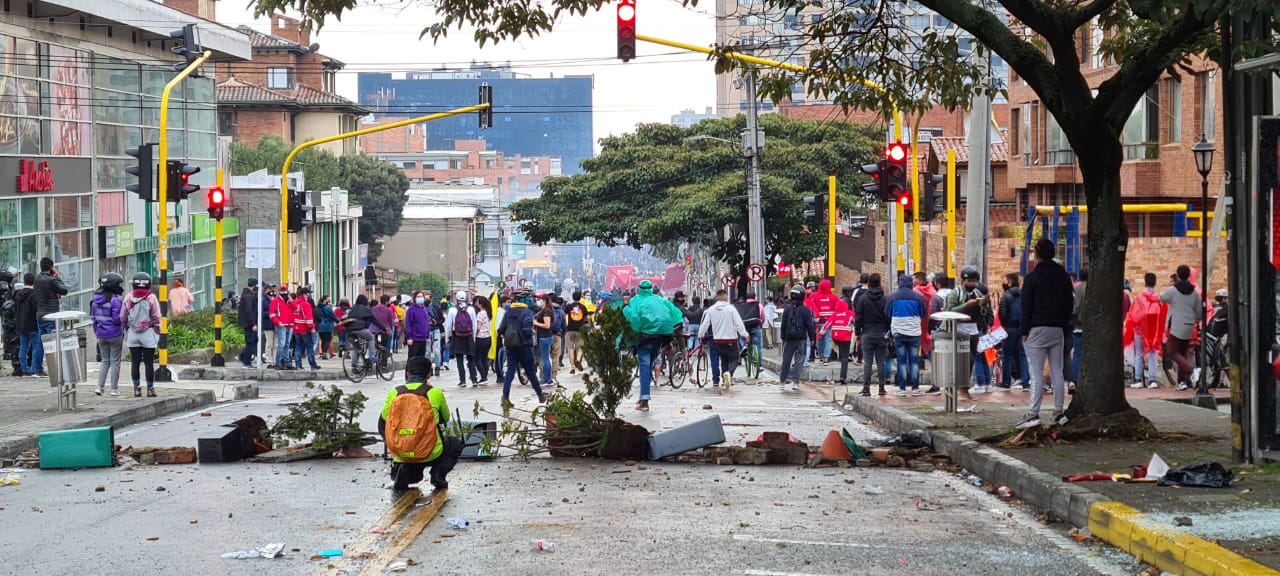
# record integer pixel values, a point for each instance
(304, 327)
(798, 327)
(417, 325)
(973, 300)
(181, 301)
(723, 325)
(141, 314)
(771, 322)
(1185, 312)
(459, 328)
(49, 289)
(906, 309)
(654, 318)
(841, 326)
(282, 318)
(518, 338)
(1046, 313)
(414, 413)
(1147, 318)
(326, 323)
(247, 318)
(1010, 314)
(109, 329)
(30, 348)
(575, 317)
(483, 338)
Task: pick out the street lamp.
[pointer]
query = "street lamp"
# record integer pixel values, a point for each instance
(1203, 152)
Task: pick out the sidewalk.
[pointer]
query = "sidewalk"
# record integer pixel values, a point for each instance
(28, 406)
(329, 370)
(1233, 530)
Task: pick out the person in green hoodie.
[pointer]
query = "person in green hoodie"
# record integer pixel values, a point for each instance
(655, 319)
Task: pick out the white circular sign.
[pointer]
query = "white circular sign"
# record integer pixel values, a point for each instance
(755, 272)
(727, 280)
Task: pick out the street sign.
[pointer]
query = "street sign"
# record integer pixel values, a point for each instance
(260, 248)
(784, 269)
(727, 280)
(702, 286)
(755, 272)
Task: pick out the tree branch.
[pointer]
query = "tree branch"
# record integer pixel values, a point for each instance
(1088, 12)
(1118, 94)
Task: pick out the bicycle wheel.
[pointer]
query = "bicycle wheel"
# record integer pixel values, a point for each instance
(348, 368)
(678, 371)
(385, 365)
(702, 368)
(752, 356)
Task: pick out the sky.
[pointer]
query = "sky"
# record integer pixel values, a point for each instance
(661, 82)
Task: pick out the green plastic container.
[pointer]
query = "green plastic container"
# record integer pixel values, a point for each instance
(80, 448)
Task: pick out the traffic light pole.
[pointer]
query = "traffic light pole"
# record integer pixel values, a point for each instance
(217, 360)
(162, 221)
(284, 171)
(831, 228)
(950, 255)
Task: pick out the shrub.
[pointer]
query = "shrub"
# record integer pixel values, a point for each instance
(194, 330)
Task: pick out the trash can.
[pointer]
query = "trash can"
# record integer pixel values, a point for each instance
(73, 360)
(953, 360)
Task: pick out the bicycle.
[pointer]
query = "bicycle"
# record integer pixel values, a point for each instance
(675, 364)
(750, 355)
(380, 363)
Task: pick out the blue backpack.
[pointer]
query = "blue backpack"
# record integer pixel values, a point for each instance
(557, 322)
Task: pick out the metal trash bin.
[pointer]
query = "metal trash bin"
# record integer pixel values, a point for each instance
(64, 356)
(953, 359)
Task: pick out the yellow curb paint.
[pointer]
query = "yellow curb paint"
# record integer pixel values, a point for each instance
(406, 536)
(1165, 547)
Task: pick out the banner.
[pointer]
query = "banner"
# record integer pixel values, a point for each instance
(674, 280)
(618, 278)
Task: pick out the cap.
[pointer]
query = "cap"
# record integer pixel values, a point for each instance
(1221, 293)
(797, 290)
(461, 296)
(811, 284)
(680, 294)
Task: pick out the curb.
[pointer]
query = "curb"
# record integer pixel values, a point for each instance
(264, 375)
(815, 372)
(14, 445)
(1112, 522)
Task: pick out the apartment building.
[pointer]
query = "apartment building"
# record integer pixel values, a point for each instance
(472, 162)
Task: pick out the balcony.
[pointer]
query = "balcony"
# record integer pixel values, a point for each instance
(1059, 157)
(1142, 151)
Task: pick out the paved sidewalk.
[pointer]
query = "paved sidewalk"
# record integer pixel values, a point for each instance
(1138, 518)
(329, 370)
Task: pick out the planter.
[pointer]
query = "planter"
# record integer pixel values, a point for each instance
(625, 441)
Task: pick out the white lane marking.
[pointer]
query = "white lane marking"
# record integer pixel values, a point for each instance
(771, 573)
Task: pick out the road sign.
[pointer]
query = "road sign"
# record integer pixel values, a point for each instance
(784, 269)
(727, 280)
(260, 249)
(755, 272)
(702, 286)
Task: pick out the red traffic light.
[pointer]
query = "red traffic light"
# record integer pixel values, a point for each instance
(904, 199)
(896, 152)
(217, 196)
(626, 12)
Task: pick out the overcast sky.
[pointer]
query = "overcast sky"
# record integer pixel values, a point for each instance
(659, 83)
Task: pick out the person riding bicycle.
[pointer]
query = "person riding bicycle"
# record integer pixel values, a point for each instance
(723, 324)
(357, 321)
(1218, 319)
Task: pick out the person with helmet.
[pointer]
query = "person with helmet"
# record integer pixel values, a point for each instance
(460, 338)
(140, 315)
(972, 298)
(1218, 319)
(107, 326)
(654, 318)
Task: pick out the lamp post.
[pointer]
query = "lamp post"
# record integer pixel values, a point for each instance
(1203, 152)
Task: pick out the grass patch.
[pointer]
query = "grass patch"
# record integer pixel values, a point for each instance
(194, 330)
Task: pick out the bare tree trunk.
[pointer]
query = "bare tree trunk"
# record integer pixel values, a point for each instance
(1100, 391)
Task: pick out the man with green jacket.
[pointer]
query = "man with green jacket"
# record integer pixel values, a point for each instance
(655, 319)
(444, 455)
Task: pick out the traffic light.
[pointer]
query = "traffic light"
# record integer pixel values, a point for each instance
(179, 181)
(217, 202)
(295, 213)
(486, 97)
(935, 199)
(626, 30)
(817, 214)
(893, 180)
(872, 189)
(904, 200)
(143, 170)
(188, 47)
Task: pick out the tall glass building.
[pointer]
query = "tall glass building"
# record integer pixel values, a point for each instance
(531, 116)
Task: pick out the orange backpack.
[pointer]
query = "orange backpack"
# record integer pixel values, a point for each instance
(411, 433)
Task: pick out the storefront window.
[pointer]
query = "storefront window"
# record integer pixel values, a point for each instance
(30, 215)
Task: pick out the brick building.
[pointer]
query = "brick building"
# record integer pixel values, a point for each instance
(470, 160)
(935, 122)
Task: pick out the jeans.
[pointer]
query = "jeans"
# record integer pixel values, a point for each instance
(1066, 355)
(875, 353)
(283, 338)
(693, 335)
(433, 350)
(981, 369)
(404, 474)
(729, 356)
(544, 351)
(808, 348)
(792, 364)
(908, 348)
(1142, 354)
(517, 359)
(31, 352)
(647, 353)
(757, 340)
(45, 326)
(112, 350)
(304, 345)
(481, 356)
(1043, 343)
(1077, 350)
(250, 347)
(1014, 356)
(146, 358)
(713, 359)
(824, 344)
(843, 348)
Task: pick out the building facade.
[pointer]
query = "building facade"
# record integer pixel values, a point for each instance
(80, 88)
(440, 239)
(471, 162)
(687, 118)
(548, 117)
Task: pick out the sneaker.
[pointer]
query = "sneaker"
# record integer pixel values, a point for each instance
(795, 387)
(462, 384)
(1195, 375)
(1183, 386)
(865, 392)
(1060, 418)
(483, 381)
(782, 386)
(97, 392)
(727, 380)
(1153, 384)
(1137, 385)
(115, 392)
(1029, 421)
(916, 392)
(151, 392)
(1048, 389)
(901, 393)
(1002, 387)
(933, 391)
(978, 390)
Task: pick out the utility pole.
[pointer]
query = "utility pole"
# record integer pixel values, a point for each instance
(979, 140)
(752, 144)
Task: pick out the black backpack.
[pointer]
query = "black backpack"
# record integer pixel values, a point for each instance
(750, 313)
(513, 336)
(794, 327)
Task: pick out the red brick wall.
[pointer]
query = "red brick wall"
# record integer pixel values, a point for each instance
(406, 139)
(952, 123)
(206, 9)
(252, 125)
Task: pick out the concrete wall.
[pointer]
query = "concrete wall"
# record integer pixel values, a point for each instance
(419, 244)
(257, 209)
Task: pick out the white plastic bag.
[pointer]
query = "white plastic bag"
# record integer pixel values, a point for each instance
(1157, 468)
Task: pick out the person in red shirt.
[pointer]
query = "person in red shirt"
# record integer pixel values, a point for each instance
(282, 318)
(824, 304)
(840, 326)
(922, 285)
(304, 329)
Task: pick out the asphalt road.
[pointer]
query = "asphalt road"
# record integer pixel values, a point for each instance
(601, 517)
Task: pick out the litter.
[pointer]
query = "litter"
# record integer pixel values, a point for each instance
(974, 479)
(10, 477)
(375, 529)
(541, 545)
(1004, 491)
(269, 551)
(329, 553)
(458, 523)
(1157, 468)
(398, 566)
(1203, 474)
(912, 439)
(874, 490)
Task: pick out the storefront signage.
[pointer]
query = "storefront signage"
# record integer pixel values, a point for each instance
(20, 177)
(34, 176)
(115, 241)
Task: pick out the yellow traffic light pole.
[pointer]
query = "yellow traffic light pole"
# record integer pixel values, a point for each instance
(831, 227)
(217, 360)
(897, 116)
(284, 172)
(162, 224)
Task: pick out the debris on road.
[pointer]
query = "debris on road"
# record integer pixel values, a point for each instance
(873, 490)
(10, 477)
(459, 523)
(1182, 521)
(275, 550)
(156, 455)
(399, 566)
(541, 545)
(1201, 474)
(329, 553)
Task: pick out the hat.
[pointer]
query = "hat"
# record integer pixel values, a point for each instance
(461, 296)
(252, 282)
(646, 285)
(680, 294)
(811, 284)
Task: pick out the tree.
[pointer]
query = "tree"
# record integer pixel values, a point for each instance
(853, 42)
(375, 185)
(657, 187)
(427, 281)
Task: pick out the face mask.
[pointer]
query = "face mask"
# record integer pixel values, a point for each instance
(421, 301)
(539, 303)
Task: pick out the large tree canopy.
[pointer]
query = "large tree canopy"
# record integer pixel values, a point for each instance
(662, 185)
(375, 185)
(856, 42)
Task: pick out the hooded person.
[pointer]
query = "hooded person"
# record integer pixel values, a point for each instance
(1185, 312)
(824, 304)
(871, 319)
(907, 311)
(1147, 317)
(723, 324)
(107, 326)
(972, 299)
(518, 340)
(798, 327)
(654, 318)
